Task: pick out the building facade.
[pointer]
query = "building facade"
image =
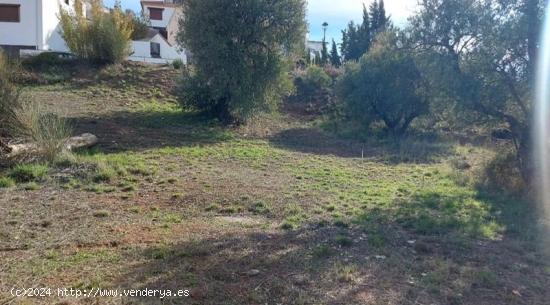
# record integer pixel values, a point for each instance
(32, 25)
(160, 45)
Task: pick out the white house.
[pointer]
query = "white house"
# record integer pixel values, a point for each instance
(32, 25)
(155, 49)
(160, 45)
(314, 50)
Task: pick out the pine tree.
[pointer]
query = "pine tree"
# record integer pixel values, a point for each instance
(334, 57)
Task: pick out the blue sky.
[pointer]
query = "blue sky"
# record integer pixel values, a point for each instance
(337, 13)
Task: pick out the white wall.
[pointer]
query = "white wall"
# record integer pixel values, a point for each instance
(141, 51)
(51, 38)
(166, 15)
(39, 25)
(23, 33)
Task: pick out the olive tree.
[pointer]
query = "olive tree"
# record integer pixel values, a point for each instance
(487, 52)
(385, 85)
(238, 52)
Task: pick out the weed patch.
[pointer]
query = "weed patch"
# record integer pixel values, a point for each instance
(28, 172)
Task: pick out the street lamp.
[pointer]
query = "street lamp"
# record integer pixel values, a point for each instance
(325, 25)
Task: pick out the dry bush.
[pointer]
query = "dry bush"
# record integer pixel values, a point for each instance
(27, 121)
(46, 131)
(503, 173)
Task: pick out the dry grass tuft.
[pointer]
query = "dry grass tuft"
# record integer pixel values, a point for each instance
(47, 131)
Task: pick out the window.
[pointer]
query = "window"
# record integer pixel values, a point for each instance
(9, 13)
(155, 50)
(155, 13)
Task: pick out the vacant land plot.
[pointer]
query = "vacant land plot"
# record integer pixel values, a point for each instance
(279, 212)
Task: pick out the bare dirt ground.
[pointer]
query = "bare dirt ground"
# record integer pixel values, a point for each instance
(278, 212)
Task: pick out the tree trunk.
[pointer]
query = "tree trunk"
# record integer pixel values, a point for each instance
(525, 157)
(83, 141)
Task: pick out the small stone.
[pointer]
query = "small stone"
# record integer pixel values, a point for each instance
(300, 279)
(252, 272)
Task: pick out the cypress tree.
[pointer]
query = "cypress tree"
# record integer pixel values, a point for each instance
(382, 18)
(334, 57)
(356, 40)
(374, 16)
(364, 33)
(350, 48)
(344, 46)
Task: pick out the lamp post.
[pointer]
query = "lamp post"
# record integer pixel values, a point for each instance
(324, 52)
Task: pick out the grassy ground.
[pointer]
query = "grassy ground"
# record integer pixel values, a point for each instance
(278, 212)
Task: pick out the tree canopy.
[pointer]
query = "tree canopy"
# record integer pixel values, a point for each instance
(238, 49)
(384, 85)
(483, 56)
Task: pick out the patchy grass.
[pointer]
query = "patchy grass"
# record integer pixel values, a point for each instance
(31, 186)
(28, 172)
(6, 182)
(171, 200)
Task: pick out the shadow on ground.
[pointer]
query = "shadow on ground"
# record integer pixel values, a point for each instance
(337, 265)
(138, 131)
(317, 141)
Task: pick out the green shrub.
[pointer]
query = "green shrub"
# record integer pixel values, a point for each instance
(314, 90)
(44, 60)
(6, 182)
(102, 38)
(317, 78)
(103, 173)
(28, 172)
(177, 64)
(386, 85)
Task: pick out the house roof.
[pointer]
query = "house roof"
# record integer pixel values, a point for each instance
(150, 34)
